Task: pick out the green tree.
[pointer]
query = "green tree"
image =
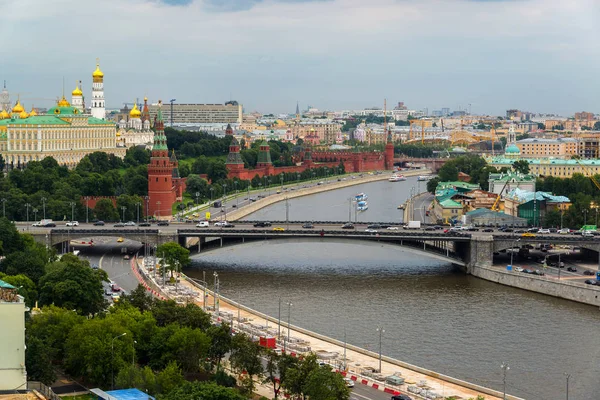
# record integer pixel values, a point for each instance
(276, 370)
(174, 256)
(217, 171)
(38, 358)
(106, 211)
(72, 284)
(195, 184)
(189, 346)
(246, 357)
(521, 166)
(202, 390)
(10, 239)
(26, 287)
(324, 384)
(143, 379)
(297, 376)
(220, 338)
(138, 298)
(136, 155)
(432, 184)
(169, 378)
(169, 312)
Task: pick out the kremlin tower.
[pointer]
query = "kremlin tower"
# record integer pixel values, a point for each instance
(98, 109)
(165, 187)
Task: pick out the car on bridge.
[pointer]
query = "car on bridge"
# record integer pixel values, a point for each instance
(144, 224)
(392, 228)
(308, 225)
(72, 223)
(261, 224)
(369, 230)
(543, 231)
(119, 225)
(222, 224)
(120, 240)
(162, 223)
(528, 234)
(278, 229)
(374, 226)
(203, 224)
(348, 225)
(129, 223)
(99, 223)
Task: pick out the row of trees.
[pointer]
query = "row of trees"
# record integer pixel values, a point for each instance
(472, 165)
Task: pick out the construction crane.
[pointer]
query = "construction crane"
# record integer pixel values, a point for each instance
(588, 171)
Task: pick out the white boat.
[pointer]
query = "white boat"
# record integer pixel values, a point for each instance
(362, 206)
(423, 178)
(361, 197)
(401, 207)
(397, 178)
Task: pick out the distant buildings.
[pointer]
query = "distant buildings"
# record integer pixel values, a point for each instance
(228, 113)
(13, 375)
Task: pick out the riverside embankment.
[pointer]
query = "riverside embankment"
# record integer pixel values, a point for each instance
(359, 362)
(307, 191)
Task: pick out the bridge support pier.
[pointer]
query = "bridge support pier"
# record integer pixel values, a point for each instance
(481, 252)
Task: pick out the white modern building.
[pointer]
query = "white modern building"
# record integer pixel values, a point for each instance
(13, 375)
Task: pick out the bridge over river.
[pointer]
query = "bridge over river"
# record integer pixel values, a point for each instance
(468, 249)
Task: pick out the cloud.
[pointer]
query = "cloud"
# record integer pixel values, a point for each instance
(338, 54)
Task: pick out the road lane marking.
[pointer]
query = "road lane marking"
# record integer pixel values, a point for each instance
(360, 395)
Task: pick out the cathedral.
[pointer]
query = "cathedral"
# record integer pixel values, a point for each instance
(136, 131)
(66, 132)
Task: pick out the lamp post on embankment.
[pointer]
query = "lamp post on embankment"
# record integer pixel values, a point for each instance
(505, 369)
(381, 332)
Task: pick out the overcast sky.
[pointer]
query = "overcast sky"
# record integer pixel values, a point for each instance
(536, 55)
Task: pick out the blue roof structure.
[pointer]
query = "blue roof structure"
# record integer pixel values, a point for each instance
(122, 394)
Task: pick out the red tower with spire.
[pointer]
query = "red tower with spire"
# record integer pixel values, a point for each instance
(165, 186)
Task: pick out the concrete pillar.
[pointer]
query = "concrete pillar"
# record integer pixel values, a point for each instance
(481, 252)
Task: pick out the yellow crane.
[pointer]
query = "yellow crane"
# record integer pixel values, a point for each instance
(588, 171)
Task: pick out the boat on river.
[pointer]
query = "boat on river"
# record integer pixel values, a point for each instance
(423, 178)
(361, 197)
(397, 178)
(362, 206)
(401, 207)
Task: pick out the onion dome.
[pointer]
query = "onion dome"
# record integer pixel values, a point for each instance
(135, 112)
(118, 133)
(63, 102)
(32, 113)
(77, 91)
(512, 149)
(4, 114)
(23, 114)
(18, 108)
(97, 75)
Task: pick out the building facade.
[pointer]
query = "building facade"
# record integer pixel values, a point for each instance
(13, 375)
(557, 167)
(228, 113)
(165, 186)
(558, 148)
(136, 130)
(98, 108)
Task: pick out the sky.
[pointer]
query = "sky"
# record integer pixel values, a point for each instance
(535, 55)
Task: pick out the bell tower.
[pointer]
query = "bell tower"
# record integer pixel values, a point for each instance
(97, 107)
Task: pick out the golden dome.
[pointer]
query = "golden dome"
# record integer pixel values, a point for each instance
(63, 102)
(77, 91)
(135, 113)
(4, 114)
(118, 133)
(32, 113)
(23, 114)
(18, 108)
(97, 74)
(145, 98)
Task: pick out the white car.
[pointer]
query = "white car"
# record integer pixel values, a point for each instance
(564, 231)
(392, 228)
(221, 223)
(202, 224)
(518, 269)
(129, 223)
(36, 224)
(349, 382)
(371, 230)
(543, 231)
(72, 223)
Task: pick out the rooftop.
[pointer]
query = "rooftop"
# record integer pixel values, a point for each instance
(544, 161)
(525, 196)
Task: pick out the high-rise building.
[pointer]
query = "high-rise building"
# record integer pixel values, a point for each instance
(98, 110)
(228, 113)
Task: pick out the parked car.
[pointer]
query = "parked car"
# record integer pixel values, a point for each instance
(527, 271)
(72, 223)
(108, 292)
(308, 226)
(401, 397)
(518, 269)
(589, 282)
(348, 225)
(99, 223)
(116, 297)
(261, 224)
(572, 269)
(163, 223)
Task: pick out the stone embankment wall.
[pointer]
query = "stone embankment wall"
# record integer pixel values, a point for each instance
(290, 194)
(579, 292)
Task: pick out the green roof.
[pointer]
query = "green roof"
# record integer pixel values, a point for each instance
(513, 149)
(5, 285)
(63, 111)
(449, 203)
(545, 161)
(98, 121)
(35, 120)
(511, 176)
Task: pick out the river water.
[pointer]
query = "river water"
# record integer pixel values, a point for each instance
(433, 314)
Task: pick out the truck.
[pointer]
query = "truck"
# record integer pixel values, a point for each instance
(413, 225)
(47, 223)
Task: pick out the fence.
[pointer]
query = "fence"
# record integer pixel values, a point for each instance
(42, 389)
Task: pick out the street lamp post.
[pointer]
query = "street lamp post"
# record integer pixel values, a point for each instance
(289, 317)
(112, 361)
(568, 377)
(279, 321)
(595, 206)
(512, 251)
(27, 205)
(212, 189)
(287, 213)
(44, 205)
(505, 369)
(72, 204)
(87, 209)
(123, 208)
(381, 332)
(35, 210)
(197, 197)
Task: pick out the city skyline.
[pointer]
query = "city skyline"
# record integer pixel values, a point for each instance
(494, 55)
